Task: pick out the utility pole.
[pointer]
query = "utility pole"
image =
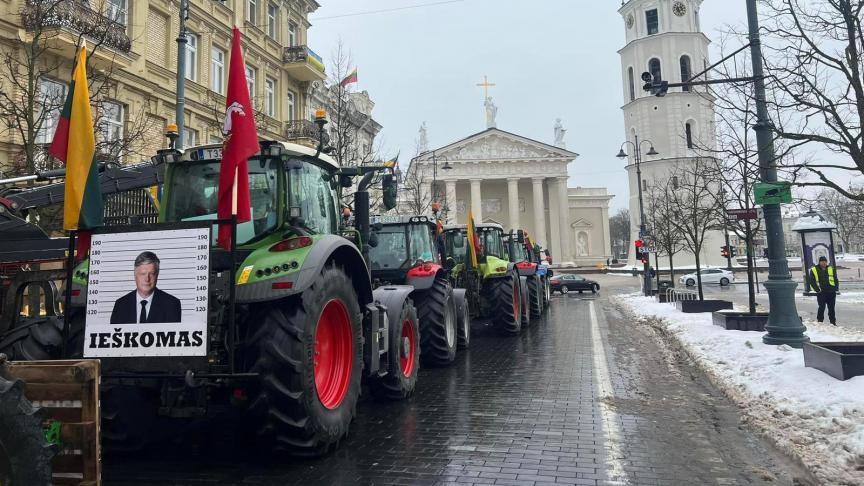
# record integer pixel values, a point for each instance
(180, 102)
(784, 324)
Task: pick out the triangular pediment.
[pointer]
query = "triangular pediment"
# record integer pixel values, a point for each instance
(581, 223)
(495, 144)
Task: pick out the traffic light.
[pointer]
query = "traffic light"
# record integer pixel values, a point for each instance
(734, 250)
(638, 248)
(724, 251)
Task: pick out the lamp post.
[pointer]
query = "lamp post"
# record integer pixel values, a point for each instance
(434, 191)
(784, 324)
(642, 233)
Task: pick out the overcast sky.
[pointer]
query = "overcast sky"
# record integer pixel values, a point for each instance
(548, 59)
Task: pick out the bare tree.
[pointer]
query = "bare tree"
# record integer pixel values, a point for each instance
(814, 58)
(347, 121)
(846, 213)
(665, 236)
(30, 101)
(415, 199)
(619, 233)
(694, 213)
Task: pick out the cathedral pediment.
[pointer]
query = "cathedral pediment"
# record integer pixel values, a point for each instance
(495, 144)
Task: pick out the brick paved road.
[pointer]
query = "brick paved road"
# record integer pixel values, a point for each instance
(575, 399)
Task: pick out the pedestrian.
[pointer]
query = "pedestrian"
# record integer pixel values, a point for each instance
(823, 281)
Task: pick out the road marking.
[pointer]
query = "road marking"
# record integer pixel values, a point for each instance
(605, 395)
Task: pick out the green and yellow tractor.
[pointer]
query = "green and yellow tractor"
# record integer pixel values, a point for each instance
(493, 288)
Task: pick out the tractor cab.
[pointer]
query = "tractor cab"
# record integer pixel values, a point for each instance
(405, 249)
(292, 192)
(520, 255)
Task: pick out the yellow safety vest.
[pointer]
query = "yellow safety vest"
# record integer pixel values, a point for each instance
(831, 281)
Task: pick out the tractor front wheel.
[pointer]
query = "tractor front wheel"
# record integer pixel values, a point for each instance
(307, 351)
(25, 455)
(508, 304)
(463, 318)
(403, 358)
(535, 297)
(437, 311)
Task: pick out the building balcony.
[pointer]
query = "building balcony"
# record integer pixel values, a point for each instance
(77, 17)
(303, 131)
(303, 64)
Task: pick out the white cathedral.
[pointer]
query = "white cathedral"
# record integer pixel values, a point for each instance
(663, 38)
(520, 183)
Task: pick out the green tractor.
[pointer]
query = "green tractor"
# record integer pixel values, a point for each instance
(405, 256)
(494, 288)
(292, 324)
(529, 272)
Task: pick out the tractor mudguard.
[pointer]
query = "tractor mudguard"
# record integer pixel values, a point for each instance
(460, 298)
(422, 277)
(392, 297)
(296, 282)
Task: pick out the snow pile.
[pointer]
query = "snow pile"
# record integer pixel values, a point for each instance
(806, 412)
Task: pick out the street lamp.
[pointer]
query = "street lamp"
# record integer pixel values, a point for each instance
(642, 233)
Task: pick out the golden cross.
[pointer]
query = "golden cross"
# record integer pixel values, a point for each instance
(485, 84)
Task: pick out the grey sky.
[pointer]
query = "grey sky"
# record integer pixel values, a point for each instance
(548, 59)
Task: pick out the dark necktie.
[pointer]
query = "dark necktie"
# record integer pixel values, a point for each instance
(143, 317)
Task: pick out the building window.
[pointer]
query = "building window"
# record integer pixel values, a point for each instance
(111, 122)
(52, 95)
(688, 134)
(250, 80)
(214, 139)
(652, 21)
(630, 81)
(217, 70)
(685, 71)
(252, 12)
(272, 16)
(292, 34)
(290, 106)
(117, 11)
(192, 57)
(654, 69)
(190, 137)
(644, 184)
(270, 97)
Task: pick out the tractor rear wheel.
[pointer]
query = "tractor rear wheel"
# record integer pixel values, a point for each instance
(25, 455)
(508, 304)
(403, 357)
(307, 351)
(535, 297)
(34, 338)
(130, 420)
(437, 311)
(463, 320)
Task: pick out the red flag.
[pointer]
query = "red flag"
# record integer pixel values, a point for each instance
(241, 142)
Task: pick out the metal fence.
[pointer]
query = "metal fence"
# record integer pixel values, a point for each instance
(674, 295)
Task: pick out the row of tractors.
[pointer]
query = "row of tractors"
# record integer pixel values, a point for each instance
(321, 311)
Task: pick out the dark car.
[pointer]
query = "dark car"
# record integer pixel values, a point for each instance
(566, 282)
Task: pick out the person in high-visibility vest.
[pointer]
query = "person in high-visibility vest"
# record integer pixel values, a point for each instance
(823, 280)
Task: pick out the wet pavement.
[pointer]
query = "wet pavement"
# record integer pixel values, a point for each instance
(584, 396)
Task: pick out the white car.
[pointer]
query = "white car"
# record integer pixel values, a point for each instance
(709, 275)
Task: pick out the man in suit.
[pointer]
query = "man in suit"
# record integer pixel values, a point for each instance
(146, 304)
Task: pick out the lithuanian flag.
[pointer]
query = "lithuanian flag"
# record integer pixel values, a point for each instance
(74, 144)
(473, 242)
(351, 78)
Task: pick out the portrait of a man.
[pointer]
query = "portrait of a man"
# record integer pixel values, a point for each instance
(146, 304)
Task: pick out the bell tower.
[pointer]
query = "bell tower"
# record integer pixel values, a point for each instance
(662, 37)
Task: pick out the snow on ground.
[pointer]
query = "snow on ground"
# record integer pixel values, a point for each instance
(804, 411)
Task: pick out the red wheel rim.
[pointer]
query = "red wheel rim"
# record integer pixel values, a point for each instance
(333, 354)
(516, 307)
(407, 348)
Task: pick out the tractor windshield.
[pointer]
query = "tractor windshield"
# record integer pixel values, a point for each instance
(402, 246)
(194, 189)
(455, 246)
(311, 196)
(491, 243)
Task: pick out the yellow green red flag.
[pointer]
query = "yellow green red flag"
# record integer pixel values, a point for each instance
(74, 143)
(472, 239)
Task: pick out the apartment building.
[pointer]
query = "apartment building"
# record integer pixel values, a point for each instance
(133, 69)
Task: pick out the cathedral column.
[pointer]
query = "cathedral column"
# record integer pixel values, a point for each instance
(554, 228)
(450, 192)
(476, 201)
(607, 245)
(563, 216)
(539, 213)
(513, 201)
